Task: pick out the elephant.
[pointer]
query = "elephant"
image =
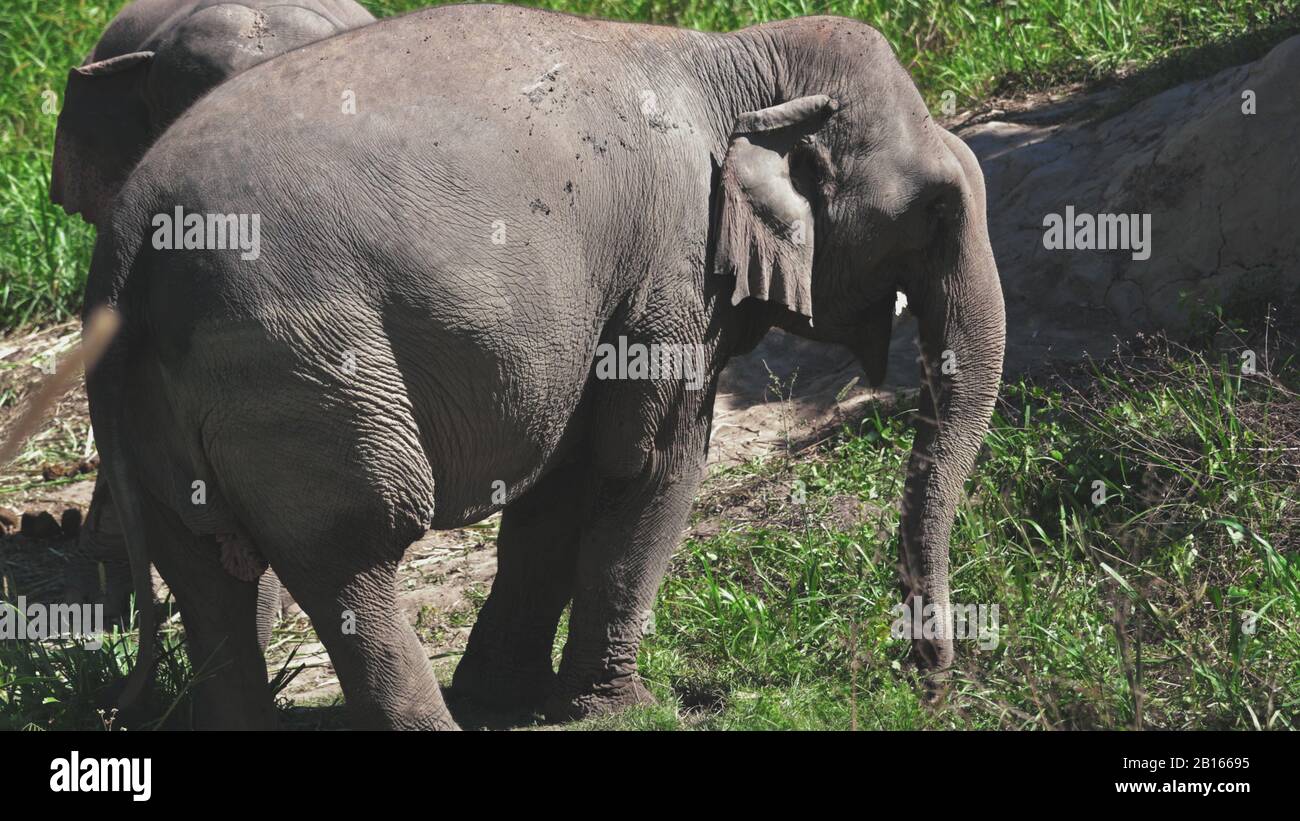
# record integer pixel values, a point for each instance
(153, 61)
(463, 209)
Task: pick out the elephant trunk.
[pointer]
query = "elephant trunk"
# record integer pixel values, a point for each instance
(962, 328)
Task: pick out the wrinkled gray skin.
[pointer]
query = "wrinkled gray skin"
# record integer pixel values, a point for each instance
(154, 60)
(101, 571)
(649, 182)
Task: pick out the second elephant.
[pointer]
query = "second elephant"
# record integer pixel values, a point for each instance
(153, 61)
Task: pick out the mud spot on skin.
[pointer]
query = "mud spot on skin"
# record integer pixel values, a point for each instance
(544, 85)
(661, 123)
(258, 30)
(599, 147)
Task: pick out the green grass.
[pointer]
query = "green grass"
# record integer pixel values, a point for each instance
(64, 685)
(1125, 614)
(968, 47)
(43, 252)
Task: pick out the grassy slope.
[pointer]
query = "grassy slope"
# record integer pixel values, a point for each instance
(776, 614)
(1134, 612)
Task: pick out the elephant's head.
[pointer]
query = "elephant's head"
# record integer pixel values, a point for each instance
(155, 59)
(833, 197)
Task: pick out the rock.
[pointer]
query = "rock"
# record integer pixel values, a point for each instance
(61, 471)
(39, 526)
(1222, 189)
(8, 521)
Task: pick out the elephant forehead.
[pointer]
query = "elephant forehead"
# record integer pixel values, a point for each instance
(894, 180)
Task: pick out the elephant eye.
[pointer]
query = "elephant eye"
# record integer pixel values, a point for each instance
(939, 211)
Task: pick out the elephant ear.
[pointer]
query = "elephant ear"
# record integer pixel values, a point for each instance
(103, 129)
(765, 225)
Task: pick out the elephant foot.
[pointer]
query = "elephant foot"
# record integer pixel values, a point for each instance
(932, 660)
(392, 716)
(600, 699)
(439, 721)
(489, 682)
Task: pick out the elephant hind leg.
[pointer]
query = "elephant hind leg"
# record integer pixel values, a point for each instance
(241, 559)
(333, 494)
(340, 565)
(507, 664)
(382, 667)
(219, 613)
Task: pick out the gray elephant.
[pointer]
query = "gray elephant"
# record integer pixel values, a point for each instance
(458, 208)
(154, 60)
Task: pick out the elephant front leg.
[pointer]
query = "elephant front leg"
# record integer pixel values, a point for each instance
(631, 529)
(507, 663)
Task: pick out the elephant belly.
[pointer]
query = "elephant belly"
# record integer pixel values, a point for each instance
(492, 417)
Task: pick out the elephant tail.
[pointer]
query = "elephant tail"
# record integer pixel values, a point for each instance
(104, 387)
(126, 498)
